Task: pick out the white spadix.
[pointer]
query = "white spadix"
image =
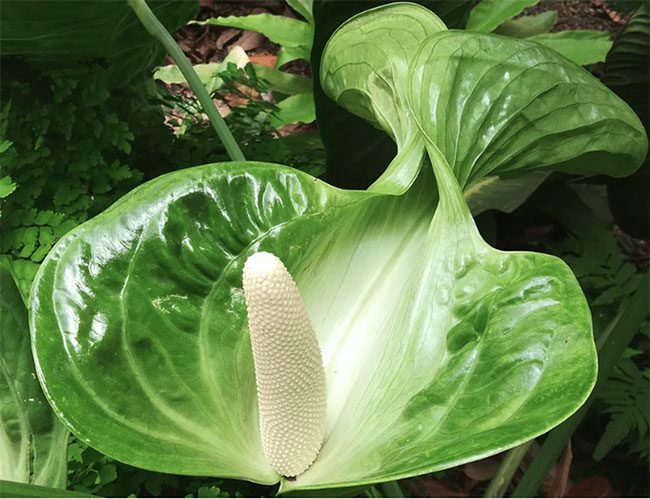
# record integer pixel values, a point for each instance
(288, 366)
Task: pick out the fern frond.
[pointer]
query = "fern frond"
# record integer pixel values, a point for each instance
(619, 427)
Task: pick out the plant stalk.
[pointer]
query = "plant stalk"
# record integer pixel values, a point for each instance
(158, 31)
(17, 489)
(391, 489)
(499, 483)
(621, 331)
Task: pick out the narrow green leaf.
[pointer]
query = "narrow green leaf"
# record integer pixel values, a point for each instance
(580, 46)
(279, 29)
(489, 14)
(285, 83)
(527, 26)
(208, 73)
(295, 109)
(288, 54)
(304, 8)
(626, 64)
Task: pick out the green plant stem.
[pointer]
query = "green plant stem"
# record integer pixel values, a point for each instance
(158, 31)
(373, 491)
(17, 489)
(392, 489)
(499, 483)
(624, 327)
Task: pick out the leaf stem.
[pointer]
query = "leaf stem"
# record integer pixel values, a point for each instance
(624, 327)
(392, 489)
(499, 483)
(158, 31)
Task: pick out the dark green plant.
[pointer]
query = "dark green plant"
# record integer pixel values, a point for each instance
(68, 156)
(625, 399)
(91, 472)
(68, 35)
(580, 46)
(609, 280)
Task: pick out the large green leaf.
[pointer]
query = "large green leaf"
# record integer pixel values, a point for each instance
(627, 64)
(32, 441)
(377, 92)
(356, 152)
(543, 111)
(67, 34)
(627, 74)
(438, 349)
(489, 14)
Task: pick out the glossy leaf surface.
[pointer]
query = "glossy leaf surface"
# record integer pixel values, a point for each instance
(33, 442)
(356, 152)
(438, 349)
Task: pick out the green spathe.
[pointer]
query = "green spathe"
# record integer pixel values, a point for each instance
(437, 348)
(33, 442)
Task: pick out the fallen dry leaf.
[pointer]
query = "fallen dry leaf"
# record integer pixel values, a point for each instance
(226, 36)
(593, 486)
(432, 487)
(267, 60)
(557, 481)
(250, 40)
(482, 470)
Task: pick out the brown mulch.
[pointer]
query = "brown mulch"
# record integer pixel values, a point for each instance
(203, 44)
(636, 250)
(581, 14)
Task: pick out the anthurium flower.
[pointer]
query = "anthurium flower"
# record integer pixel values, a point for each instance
(437, 349)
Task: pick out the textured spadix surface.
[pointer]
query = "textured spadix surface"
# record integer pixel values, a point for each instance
(437, 349)
(288, 366)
